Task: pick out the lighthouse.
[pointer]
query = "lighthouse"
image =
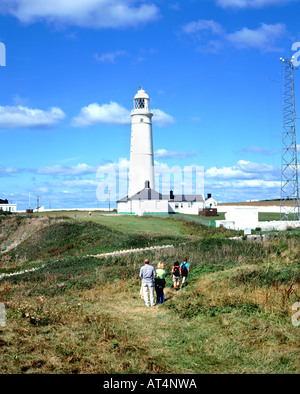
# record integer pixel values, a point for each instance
(141, 170)
(142, 198)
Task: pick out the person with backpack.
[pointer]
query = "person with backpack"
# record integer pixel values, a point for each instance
(160, 283)
(176, 272)
(185, 270)
(147, 273)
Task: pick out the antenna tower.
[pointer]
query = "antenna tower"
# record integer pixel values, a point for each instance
(289, 199)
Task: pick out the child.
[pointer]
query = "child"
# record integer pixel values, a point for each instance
(185, 270)
(176, 272)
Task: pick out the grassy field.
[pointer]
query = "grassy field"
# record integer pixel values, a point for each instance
(268, 216)
(132, 224)
(165, 224)
(80, 314)
(155, 224)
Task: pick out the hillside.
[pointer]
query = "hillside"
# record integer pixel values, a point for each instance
(79, 314)
(27, 240)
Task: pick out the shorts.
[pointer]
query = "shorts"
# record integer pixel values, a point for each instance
(175, 278)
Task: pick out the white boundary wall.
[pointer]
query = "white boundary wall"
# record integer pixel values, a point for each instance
(42, 209)
(279, 225)
(240, 218)
(228, 208)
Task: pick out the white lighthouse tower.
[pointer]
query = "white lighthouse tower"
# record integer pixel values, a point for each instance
(141, 171)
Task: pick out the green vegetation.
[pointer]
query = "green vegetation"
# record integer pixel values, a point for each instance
(82, 314)
(70, 238)
(52, 237)
(4, 213)
(164, 224)
(268, 216)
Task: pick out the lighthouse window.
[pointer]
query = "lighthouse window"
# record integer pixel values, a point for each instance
(139, 103)
(141, 120)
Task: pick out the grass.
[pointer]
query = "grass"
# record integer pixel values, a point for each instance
(54, 236)
(78, 238)
(126, 224)
(82, 314)
(269, 216)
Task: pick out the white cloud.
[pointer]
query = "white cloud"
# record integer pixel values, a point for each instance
(202, 25)
(7, 171)
(175, 6)
(76, 183)
(83, 13)
(243, 170)
(20, 117)
(195, 119)
(59, 170)
(255, 167)
(110, 57)
(165, 154)
(246, 180)
(43, 190)
(114, 113)
(162, 119)
(258, 149)
(251, 183)
(262, 38)
(241, 4)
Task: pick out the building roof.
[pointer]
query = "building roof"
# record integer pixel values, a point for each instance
(145, 194)
(151, 194)
(141, 94)
(186, 197)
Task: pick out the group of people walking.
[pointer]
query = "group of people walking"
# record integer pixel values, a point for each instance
(152, 278)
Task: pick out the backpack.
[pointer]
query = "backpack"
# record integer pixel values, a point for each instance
(184, 270)
(176, 270)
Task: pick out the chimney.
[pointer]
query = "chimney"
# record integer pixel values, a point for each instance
(171, 195)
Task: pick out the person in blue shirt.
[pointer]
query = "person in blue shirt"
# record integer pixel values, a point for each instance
(185, 270)
(147, 273)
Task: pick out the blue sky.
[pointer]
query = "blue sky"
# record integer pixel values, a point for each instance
(210, 67)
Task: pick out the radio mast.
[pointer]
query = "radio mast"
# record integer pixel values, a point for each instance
(289, 199)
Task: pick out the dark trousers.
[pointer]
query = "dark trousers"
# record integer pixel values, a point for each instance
(160, 297)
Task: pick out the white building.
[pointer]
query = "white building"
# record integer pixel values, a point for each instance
(210, 202)
(5, 206)
(149, 202)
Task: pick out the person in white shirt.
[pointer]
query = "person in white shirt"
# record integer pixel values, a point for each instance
(147, 273)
